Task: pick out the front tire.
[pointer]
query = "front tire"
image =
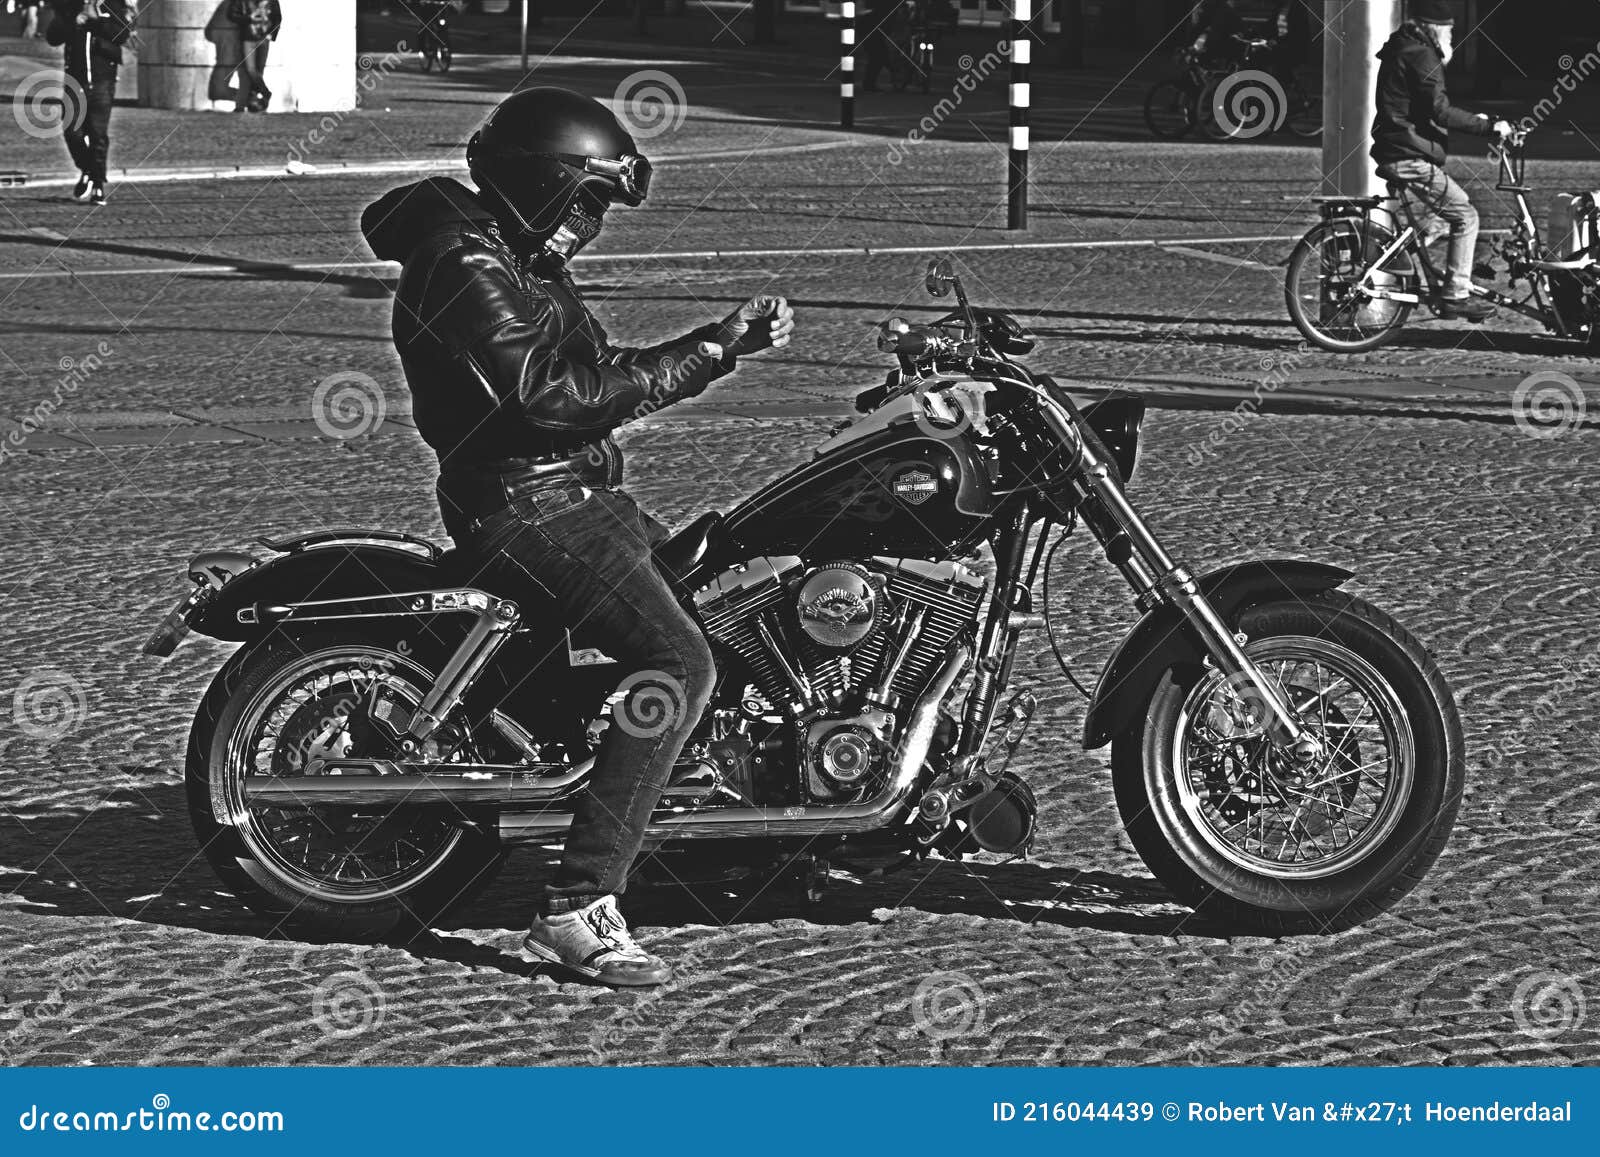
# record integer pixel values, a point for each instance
(1169, 110)
(1271, 848)
(347, 873)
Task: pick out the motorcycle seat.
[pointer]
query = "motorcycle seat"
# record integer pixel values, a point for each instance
(678, 555)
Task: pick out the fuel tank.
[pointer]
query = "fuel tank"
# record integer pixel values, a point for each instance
(896, 482)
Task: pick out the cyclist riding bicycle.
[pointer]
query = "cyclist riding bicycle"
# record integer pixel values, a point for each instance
(1411, 142)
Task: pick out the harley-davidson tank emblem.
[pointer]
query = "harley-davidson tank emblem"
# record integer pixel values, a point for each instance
(914, 487)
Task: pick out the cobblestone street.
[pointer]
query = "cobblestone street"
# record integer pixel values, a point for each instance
(182, 333)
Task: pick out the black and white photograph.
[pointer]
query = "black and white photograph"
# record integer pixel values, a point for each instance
(628, 542)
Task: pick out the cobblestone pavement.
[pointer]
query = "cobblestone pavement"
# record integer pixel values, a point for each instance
(180, 336)
(119, 945)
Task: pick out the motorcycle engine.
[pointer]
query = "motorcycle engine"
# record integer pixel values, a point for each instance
(840, 650)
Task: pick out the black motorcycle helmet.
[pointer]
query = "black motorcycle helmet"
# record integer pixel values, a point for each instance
(549, 162)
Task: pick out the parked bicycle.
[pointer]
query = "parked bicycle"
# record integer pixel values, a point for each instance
(1356, 277)
(1244, 100)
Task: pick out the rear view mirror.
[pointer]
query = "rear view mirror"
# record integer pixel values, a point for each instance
(941, 276)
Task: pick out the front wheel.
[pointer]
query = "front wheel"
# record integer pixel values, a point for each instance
(1169, 110)
(1329, 292)
(280, 708)
(1244, 834)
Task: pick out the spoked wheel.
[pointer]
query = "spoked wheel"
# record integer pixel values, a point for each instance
(283, 707)
(1305, 115)
(446, 58)
(1169, 110)
(428, 59)
(1244, 833)
(1329, 296)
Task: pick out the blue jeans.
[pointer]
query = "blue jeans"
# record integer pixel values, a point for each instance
(590, 552)
(1445, 210)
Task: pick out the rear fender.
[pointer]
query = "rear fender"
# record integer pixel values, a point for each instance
(1162, 640)
(341, 570)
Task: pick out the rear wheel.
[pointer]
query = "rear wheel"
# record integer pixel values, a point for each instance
(1305, 115)
(1328, 296)
(446, 58)
(1246, 835)
(1169, 110)
(277, 709)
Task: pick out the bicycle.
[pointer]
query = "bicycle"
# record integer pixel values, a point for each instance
(1170, 107)
(1258, 102)
(1353, 281)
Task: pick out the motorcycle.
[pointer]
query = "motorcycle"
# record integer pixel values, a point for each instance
(1286, 758)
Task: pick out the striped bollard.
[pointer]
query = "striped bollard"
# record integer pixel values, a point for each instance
(1017, 167)
(847, 64)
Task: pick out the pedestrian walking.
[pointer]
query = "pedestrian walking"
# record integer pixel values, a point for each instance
(887, 26)
(258, 22)
(91, 34)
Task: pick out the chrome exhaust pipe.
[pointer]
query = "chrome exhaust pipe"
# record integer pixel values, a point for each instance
(526, 796)
(726, 823)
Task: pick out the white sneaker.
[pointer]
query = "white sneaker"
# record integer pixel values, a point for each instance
(594, 942)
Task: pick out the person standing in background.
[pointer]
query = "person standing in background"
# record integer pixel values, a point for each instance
(258, 22)
(91, 34)
(28, 22)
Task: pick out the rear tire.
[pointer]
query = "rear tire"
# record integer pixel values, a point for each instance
(288, 679)
(1319, 287)
(1185, 788)
(1169, 110)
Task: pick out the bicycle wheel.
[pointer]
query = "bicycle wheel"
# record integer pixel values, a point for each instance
(1169, 110)
(1205, 111)
(1324, 293)
(1305, 115)
(427, 59)
(445, 58)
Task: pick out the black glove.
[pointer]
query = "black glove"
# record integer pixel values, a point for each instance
(758, 324)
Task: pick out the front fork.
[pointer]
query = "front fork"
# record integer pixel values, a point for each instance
(1157, 580)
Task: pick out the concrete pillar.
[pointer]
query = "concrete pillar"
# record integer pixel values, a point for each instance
(189, 56)
(1356, 29)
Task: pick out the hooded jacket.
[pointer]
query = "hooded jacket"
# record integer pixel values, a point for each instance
(514, 383)
(98, 41)
(1415, 115)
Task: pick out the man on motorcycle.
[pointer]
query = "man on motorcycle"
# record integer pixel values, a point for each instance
(1411, 141)
(517, 389)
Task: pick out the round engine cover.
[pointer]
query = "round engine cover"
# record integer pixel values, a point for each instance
(837, 605)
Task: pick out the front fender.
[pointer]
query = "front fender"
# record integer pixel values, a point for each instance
(344, 570)
(1162, 640)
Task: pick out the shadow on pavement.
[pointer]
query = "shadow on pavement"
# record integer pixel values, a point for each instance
(134, 857)
(355, 285)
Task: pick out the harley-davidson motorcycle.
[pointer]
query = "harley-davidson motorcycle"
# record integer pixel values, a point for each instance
(1285, 757)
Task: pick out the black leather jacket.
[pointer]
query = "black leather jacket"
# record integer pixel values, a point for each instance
(513, 382)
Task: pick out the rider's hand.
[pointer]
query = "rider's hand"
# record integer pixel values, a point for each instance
(1502, 130)
(757, 324)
